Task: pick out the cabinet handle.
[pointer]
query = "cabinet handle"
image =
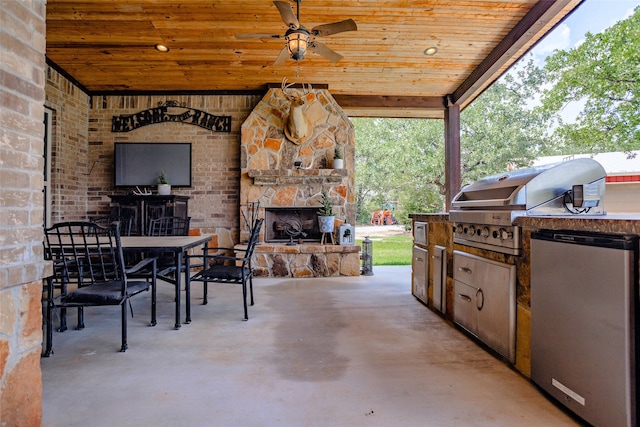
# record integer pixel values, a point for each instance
(479, 299)
(465, 270)
(465, 297)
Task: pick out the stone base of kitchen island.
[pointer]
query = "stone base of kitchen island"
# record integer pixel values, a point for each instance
(306, 260)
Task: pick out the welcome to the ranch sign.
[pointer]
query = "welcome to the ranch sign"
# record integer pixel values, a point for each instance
(161, 114)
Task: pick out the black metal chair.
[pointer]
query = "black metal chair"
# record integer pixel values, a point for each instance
(107, 220)
(165, 262)
(93, 255)
(228, 269)
(168, 226)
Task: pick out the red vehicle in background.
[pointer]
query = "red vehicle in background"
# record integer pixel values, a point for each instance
(385, 216)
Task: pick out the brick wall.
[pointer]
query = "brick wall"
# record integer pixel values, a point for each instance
(215, 192)
(22, 47)
(69, 147)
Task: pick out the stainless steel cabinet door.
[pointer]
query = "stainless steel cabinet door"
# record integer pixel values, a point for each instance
(420, 268)
(438, 280)
(485, 300)
(465, 312)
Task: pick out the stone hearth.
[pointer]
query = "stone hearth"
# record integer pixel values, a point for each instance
(278, 173)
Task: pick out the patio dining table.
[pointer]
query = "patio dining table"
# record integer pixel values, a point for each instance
(179, 246)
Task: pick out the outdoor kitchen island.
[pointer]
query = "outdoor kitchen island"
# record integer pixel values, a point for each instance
(441, 233)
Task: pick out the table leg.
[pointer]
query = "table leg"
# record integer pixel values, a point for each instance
(187, 295)
(178, 275)
(154, 298)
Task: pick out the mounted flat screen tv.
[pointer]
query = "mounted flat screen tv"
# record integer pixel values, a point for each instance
(140, 163)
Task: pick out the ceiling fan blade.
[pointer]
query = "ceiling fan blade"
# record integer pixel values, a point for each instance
(334, 28)
(286, 12)
(282, 57)
(258, 36)
(323, 50)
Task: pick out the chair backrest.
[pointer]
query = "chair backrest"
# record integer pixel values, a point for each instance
(253, 238)
(94, 252)
(169, 226)
(107, 220)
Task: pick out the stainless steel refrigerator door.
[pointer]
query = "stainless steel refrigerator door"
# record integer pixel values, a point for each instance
(582, 326)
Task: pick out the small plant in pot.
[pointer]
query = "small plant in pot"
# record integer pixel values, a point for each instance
(164, 188)
(338, 161)
(325, 214)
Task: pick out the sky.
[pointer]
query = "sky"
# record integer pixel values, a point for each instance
(592, 16)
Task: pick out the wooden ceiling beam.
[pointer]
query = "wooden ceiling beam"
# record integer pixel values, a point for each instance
(390, 102)
(536, 20)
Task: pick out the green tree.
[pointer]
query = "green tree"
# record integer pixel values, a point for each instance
(398, 160)
(403, 160)
(604, 74)
(502, 129)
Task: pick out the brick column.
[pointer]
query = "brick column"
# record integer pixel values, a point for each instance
(22, 44)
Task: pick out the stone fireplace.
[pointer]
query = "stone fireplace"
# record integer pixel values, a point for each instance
(283, 181)
(291, 224)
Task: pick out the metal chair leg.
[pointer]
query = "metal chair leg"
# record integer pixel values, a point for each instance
(48, 351)
(153, 304)
(123, 348)
(251, 288)
(80, 318)
(244, 299)
(63, 320)
(187, 296)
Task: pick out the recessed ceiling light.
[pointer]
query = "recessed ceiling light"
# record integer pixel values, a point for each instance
(161, 48)
(430, 51)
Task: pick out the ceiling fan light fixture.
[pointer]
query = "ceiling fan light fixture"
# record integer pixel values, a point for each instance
(297, 43)
(430, 51)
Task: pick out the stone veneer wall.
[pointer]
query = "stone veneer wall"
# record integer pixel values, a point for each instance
(269, 176)
(22, 75)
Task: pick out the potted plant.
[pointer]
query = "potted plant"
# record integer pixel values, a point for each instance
(325, 214)
(164, 188)
(338, 161)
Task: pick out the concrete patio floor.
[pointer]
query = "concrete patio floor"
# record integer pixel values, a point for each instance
(359, 351)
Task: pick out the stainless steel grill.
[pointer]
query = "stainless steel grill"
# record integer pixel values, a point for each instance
(483, 212)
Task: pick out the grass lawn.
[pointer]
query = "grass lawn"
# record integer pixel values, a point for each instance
(391, 250)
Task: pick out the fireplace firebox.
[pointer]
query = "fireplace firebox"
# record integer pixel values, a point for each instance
(291, 224)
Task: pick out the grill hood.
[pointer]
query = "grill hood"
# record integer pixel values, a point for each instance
(540, 190)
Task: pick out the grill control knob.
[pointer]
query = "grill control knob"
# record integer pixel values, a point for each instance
(459, 228)
(505, 235)
(484, 232)
(471, 230)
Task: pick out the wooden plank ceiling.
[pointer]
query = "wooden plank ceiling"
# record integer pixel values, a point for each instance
(108, 47)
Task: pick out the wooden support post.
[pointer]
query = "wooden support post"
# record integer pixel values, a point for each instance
(451, 152)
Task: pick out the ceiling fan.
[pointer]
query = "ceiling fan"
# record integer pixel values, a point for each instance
(299, 38)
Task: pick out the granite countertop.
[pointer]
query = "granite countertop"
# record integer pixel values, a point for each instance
(609, 223)
(440, 216)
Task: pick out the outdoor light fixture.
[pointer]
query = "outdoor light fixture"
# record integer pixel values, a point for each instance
(297, 42)
(430, 51)
(161, 48)
(367, 257)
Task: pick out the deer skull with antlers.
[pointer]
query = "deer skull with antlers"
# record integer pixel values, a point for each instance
(297, 126)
